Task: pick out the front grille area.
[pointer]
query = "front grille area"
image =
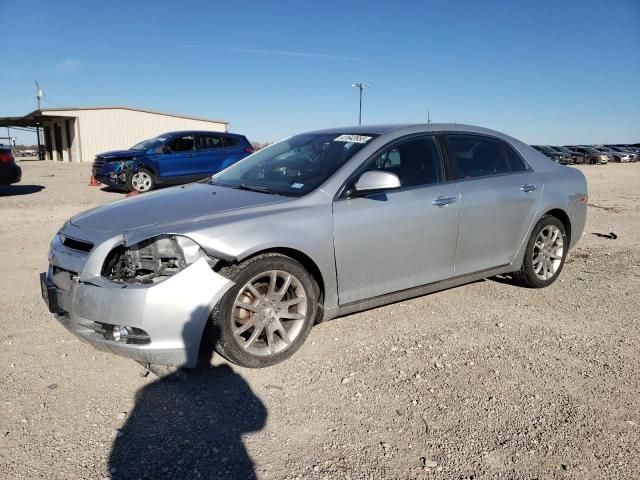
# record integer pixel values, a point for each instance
(62, 278)
(98, 162)
(76, 244)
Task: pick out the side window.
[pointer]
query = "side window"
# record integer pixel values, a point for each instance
(515, 161)
(207, 142)
(477, 156)
(416, 161)
(181, 144)
(230, 141)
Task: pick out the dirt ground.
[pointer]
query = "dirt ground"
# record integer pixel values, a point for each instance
(483, 381)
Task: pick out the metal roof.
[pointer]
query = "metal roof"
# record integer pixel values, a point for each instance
(38, 116)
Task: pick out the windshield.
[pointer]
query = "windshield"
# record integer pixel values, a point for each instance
(295, 166)
(563, 149)
(151, 143)
(544, 148)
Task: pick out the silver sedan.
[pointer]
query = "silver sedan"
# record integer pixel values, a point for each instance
(317, 226)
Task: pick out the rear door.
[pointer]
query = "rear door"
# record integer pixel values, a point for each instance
(210, 153)
(397, 239)
(499, 198)
(236, 148)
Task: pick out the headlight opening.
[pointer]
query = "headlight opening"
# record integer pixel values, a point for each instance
(152, 260)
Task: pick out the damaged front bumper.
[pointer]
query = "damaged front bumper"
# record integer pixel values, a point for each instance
(161, 323)
(113, 173)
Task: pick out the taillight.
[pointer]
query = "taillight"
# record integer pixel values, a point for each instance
(6, 157)
(249, 150)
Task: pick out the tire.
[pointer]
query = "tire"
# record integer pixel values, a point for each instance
(141, 181)
(231, 328)
(535, 271)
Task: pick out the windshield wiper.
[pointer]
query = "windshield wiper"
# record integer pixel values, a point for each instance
(256, 188)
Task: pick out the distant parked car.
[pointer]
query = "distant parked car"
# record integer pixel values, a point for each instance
(9, 171)
(592, 155)
(172, 158)
(558, 157)
(634, 155)
(619, 157)
(577, 157)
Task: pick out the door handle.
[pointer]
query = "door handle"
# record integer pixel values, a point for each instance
(528, 188)
(444, 201)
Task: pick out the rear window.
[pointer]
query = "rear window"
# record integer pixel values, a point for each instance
(477, 156)
(515, 161)
(230, 141)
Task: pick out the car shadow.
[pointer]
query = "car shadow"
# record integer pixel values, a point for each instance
(109, 189)
(11, 190)
(505, 278)
(189, 424)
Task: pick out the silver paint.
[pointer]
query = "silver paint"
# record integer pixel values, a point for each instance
(368, 251)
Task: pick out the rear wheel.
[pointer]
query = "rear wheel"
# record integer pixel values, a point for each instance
(545, 254)
(141, 181)
(266, 316)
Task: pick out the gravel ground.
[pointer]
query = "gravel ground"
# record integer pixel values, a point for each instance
(483, 381)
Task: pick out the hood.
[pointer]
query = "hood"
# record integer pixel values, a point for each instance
(121, 154)
(195, 200)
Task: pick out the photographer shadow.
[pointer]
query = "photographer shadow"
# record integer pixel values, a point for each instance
(189, 424)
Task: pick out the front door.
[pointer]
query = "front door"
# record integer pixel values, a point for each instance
(402, 238)
(499, 198)
(177, 159)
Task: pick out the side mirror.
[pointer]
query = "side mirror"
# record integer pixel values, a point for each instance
(166, 149)
(377, 180)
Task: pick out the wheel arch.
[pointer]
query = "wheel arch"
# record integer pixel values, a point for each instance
(145, 166)
(563, 217)
(305, 260)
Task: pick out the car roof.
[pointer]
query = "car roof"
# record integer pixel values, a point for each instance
(196, 132)
(409, 127)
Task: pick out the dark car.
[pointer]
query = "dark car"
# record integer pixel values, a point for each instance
(592, 155)
(558, 157)
(577, 157)
(172, 158)
(9, 171)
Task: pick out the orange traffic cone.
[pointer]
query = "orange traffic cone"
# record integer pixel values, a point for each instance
(132, 193)
(93, 181)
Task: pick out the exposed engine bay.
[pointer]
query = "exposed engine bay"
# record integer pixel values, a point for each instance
(153, 260)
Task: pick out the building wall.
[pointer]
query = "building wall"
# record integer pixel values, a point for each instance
(101, 130)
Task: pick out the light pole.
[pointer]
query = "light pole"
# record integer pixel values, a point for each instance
(360, 86)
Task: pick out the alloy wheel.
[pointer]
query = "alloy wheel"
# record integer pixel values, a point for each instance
(548, 252)
(269, 313)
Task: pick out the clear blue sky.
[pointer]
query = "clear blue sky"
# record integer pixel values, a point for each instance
(543, 71)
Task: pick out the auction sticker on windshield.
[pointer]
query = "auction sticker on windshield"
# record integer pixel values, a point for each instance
(352, 139)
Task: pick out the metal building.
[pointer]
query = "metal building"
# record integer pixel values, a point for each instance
(78, 134)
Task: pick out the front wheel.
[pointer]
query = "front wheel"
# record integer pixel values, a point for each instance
(545, 254)
(266, 316)
(141, 181)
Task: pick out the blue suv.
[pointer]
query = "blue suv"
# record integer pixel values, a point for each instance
(170, 159)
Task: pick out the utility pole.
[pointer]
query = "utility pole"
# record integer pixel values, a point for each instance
(39, 94)
(428, 116)
(360, 86)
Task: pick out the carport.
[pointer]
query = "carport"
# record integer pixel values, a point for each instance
(56, 132)
(78, 134)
